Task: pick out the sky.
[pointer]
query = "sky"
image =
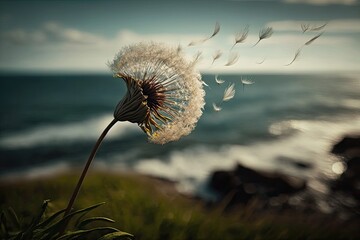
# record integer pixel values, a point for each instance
(83, 36)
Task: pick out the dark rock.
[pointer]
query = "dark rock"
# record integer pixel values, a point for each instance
(349, 181)
(353, 165)
(223, 181)
(243, 184)
(349, 146)
(270, 184)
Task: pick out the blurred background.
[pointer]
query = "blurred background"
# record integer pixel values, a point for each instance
(57, 93)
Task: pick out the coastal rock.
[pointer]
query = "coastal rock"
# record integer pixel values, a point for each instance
(223, 181)
(349, 147)
(349, 181)
(243, 183)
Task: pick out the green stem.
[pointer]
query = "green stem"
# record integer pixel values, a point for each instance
(86, 168)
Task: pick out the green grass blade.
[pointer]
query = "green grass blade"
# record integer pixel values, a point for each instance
(78, 220)
(117, 236)
(50, 219)
(87, 221)
(3, 227)
(41, 214)
(14, 218)
(28, 233)
(88, 209)
(57, 226)
(84, 232)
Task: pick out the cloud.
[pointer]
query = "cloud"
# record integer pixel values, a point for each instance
(59, 48)
(126, 36)
(56, 36)
(64, 48)
(48, 33)
(344, 25)
(323, 2)
(70, 35)
(334, 26)
(52, 32)
(21, 36)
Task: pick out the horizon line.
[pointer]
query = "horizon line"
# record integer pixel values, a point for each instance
(81, 72)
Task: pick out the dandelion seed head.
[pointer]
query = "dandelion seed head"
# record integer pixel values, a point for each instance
(165, 94)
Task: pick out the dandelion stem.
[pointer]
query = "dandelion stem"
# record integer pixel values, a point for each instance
(87, 165)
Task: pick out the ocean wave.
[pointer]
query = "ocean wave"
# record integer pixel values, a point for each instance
(60, 133)
(310, 145)
(351, 103)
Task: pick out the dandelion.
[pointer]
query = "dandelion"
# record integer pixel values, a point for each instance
(165, 95)
(264, 33)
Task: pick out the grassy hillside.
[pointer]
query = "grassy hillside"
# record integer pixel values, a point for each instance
(151, 209)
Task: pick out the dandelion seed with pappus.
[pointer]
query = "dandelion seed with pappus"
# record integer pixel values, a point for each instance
(264, 34)
(246, 82)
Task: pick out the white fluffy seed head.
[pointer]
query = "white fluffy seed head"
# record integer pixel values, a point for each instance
(170, 84)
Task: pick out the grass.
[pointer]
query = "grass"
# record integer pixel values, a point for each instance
(152, 209)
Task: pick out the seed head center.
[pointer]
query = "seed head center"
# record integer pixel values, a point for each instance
(154, 92)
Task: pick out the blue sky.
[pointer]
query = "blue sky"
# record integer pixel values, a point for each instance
(82, 36)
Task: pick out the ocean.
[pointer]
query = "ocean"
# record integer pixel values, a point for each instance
(49, 124)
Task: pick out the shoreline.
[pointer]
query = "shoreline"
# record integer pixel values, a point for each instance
(236, 187)
(150, 201)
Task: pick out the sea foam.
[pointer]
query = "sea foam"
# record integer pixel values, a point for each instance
(58, 133)
(310, 144)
